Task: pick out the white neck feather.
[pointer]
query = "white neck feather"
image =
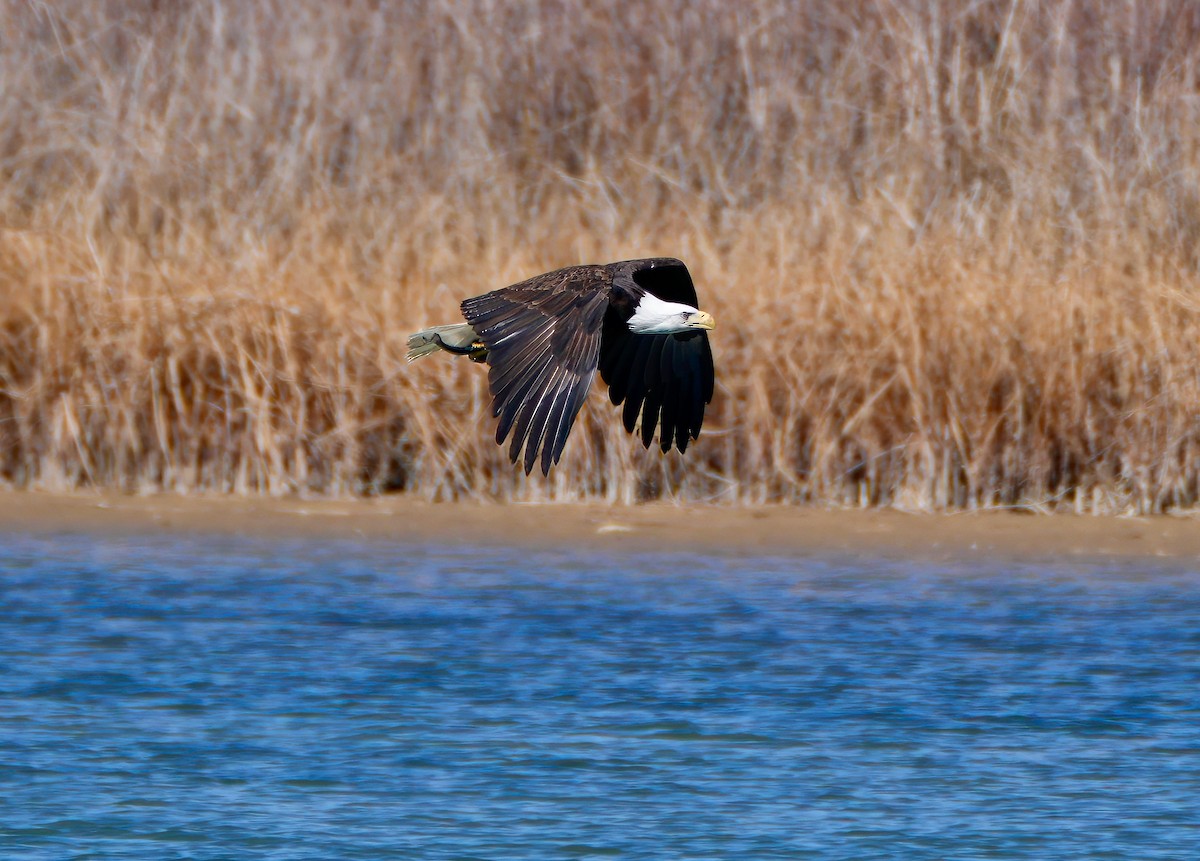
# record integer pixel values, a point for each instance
(656, 317)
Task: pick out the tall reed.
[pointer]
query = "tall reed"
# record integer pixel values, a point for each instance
(953, 248)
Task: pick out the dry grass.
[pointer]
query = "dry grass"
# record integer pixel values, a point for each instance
(953, 248)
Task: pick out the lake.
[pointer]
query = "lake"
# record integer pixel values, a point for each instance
(224, 698)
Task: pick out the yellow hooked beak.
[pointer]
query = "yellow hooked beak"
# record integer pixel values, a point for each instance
(702, 320)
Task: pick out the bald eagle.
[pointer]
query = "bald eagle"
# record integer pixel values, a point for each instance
(544, 339)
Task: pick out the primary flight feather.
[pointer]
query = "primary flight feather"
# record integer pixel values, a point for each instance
(543, 340)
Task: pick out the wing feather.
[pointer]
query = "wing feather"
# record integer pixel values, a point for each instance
(543, 343)
(669, 416)
(619, 373)
(635, 382)
(514, 400)
(532, 423)
(538, 391)
(548, 413)
(570, 412)
(654, 391)
(650, 414)
(567, 406)
(517, 368)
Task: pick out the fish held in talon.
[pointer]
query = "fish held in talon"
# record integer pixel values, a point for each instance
(543, 340)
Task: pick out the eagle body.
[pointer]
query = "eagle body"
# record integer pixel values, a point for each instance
(544, 339)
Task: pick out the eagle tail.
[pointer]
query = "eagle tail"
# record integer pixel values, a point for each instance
(458, 337)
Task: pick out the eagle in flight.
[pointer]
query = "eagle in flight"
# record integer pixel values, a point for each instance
(543, 340)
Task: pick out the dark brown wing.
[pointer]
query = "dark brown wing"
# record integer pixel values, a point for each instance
(665, 277)
(543, 342)
(666, 380)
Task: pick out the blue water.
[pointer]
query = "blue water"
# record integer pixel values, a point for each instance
(235, 699)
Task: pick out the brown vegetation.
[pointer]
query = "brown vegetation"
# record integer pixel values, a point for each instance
(953, 248)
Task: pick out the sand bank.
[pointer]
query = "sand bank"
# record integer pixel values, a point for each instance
(690, 528)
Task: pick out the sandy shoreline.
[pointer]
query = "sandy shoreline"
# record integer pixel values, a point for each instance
(693, 528)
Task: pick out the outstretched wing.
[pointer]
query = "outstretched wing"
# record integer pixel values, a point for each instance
(543, 341)
(666, 380)
(665, 277)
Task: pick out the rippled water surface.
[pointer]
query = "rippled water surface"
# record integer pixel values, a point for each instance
(313, 700)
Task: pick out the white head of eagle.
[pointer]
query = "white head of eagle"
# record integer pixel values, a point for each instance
(636, 322)
(653, 316)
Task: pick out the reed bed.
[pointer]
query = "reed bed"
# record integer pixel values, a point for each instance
(953, 248)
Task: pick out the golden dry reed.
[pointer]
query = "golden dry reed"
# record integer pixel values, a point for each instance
(952, 247)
